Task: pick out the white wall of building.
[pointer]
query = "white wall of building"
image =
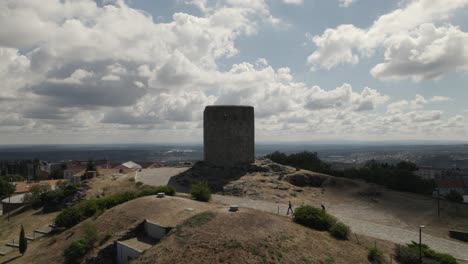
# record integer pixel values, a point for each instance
(125, 253)
(154, 230)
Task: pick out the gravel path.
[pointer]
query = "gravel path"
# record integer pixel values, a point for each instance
(395, 235)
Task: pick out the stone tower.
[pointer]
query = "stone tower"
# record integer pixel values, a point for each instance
(229, 135)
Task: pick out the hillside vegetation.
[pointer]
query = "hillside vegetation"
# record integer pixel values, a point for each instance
(206, 233)
(398, 176)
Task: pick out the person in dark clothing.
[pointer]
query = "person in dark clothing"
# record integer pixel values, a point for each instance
(290, 208)
(323, 207)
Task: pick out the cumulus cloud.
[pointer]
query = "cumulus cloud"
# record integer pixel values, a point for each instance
(414, 45)
(418, 102)
(98, 69)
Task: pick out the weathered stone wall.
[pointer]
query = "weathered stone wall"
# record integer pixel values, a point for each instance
(229, 135)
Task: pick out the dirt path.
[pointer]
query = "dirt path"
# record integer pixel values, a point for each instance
(395, 235)
(158, 176)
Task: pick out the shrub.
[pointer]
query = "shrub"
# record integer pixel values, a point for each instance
(36, 193)
(75, 252)
(73, 215)
(69, 217)
(375, 256)
(409, 254)
(200, 191)
(313, 217)
(454, 196)
(340, 231)
(91, 234)
(51, 200)
(78, 248)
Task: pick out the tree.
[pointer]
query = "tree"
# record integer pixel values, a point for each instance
(454, 196)
(36, 194)
(23, 243)
(90, 166)
(6, 188)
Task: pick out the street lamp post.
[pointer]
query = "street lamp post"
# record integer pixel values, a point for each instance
(438, 202)
(9, 201)
(420, 243)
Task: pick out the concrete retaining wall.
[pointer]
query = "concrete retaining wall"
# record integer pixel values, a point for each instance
(125, 253)
(154, 230)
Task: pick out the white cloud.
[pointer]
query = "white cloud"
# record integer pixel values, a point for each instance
(414, 46)
(346, 3)
(76, 67)
(425, 53)
(418, 102)
(293, 2)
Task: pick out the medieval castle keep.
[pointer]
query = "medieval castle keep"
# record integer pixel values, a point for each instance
(229, 135)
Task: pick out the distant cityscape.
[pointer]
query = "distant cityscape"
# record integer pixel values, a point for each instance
(340, 155)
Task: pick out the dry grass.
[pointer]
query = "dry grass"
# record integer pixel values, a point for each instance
(31, 219)
(109, 182)
(249, 236)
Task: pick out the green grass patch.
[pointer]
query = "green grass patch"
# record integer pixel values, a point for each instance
(199, 219)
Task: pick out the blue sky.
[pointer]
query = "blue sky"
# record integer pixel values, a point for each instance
(143, 71)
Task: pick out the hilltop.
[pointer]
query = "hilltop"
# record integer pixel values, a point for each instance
(247, 236)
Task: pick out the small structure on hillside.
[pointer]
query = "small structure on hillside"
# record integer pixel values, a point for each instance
(133, 247)
(129, 165)
(14, 202)
(229, 135)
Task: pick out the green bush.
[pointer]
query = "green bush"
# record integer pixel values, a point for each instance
(87, 208)
(375, 256)
(409, 254)
(91, 234)
(51, 200)
(312, 217)
(398, 176)
(69, 217)
(78, 248)
(200, 191)
(340, 231)
(454, 196)
(75, 252)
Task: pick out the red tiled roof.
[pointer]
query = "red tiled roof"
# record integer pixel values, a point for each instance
(24, 186)
(452, 183)
(150, 165)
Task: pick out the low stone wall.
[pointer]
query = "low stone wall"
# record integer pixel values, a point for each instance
(459, 235)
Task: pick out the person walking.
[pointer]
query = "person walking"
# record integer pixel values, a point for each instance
(290, 208)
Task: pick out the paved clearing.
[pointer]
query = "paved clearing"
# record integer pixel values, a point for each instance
(158, 176)
(395, 235)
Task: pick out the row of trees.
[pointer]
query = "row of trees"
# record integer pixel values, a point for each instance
(398, 176)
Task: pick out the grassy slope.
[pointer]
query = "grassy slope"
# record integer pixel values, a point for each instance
(250, 236)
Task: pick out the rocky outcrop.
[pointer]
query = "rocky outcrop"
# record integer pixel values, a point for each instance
(305, 178)
(231, 180)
